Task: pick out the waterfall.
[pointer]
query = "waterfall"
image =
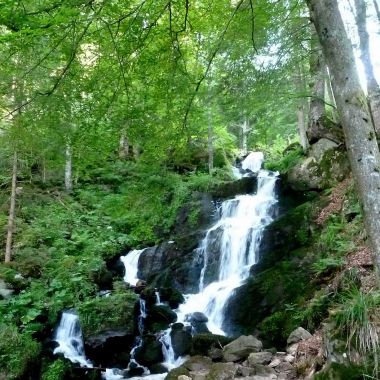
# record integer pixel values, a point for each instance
(253, 162)
(240, 227)
(130, 262)
(69, 339)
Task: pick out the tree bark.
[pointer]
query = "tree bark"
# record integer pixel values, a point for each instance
(12, 207)
(300, 85)
(362, 148)
(365, 56)
(210, 143)
(68, 168)
(123, 146)
(317, 111)
(376, 5)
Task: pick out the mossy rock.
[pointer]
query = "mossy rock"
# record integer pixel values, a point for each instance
(202, 343)
(108, 313)
(176, 372)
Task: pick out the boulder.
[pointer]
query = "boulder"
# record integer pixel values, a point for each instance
(264, 372)
(297, 335)
(259, 358)
(198, 363)
(198, 322)
(159, 317)
(203, 343)
(222, 371)
(181, 340)
(150, 351)
(176, 372)
(240, 348)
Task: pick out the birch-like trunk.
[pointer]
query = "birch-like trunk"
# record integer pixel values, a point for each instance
(300, 85)
(12, 208)
(123, 146)
(377, 8)
(331, 95)
(210, 143)
(360, 138)
(365, 56)
(68, 168)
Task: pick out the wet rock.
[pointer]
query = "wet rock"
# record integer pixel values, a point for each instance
(157, 369)
(159, 317)
(215, 354)
(198, 322)
(297, 335)
(203, 343)
(259, 358)
(110, 348)
(150, 352)
(172, 296)
(244, 185)
(240, 348)
(181, 341)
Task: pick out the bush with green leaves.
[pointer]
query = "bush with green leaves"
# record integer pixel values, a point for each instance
(18, 352)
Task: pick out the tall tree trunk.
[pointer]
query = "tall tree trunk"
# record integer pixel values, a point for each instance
(300, 85)
(317, 102)
(123, 145)
(245, 129)
(362, 148)
(365, 56)
(210, 143)
(12, 207)
(68, 168)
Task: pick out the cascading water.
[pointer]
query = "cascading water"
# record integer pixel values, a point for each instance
(69, 338)
(240, 227)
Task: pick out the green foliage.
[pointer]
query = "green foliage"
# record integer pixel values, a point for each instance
(55, 371)
(18, 352)
(327, 265)
(357, 317)
(102, 313)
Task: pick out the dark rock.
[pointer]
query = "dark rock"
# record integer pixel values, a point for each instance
(176, 372)
(172, 296)
(198, 322)
(203, 343)
(157, 368)
(245, 185)
(110, 349)
(181, 341)
(159, 317)
(150, 352)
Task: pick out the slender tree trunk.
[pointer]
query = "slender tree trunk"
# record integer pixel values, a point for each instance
(245, 129)
(12, 207)
(377, 8)
(210, 143)
(68, 168)
(317, 103)
(365, 56)
(300, 85)
(362, 148)
(136, 151)
(123, 146)
(331, 95)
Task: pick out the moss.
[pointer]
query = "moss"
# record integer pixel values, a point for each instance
(104, 313)
(56, 370)
(336, 371)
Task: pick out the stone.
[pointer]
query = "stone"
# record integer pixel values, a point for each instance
(215, 353)
(292, 349)
(289, 358)
(259, 358)
(176, 372)
(222, 371)
(274, 363)
(181, 341)
(203, 343)
(265, 372)
(199, 375)
(322, 146)
(198, 363)
(150, 352)
(297, 335)
(240, 348)
(184, 377)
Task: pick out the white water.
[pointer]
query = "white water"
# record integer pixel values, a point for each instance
(130, 262)
(69, 338)
(241, 224)
(253, 162)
